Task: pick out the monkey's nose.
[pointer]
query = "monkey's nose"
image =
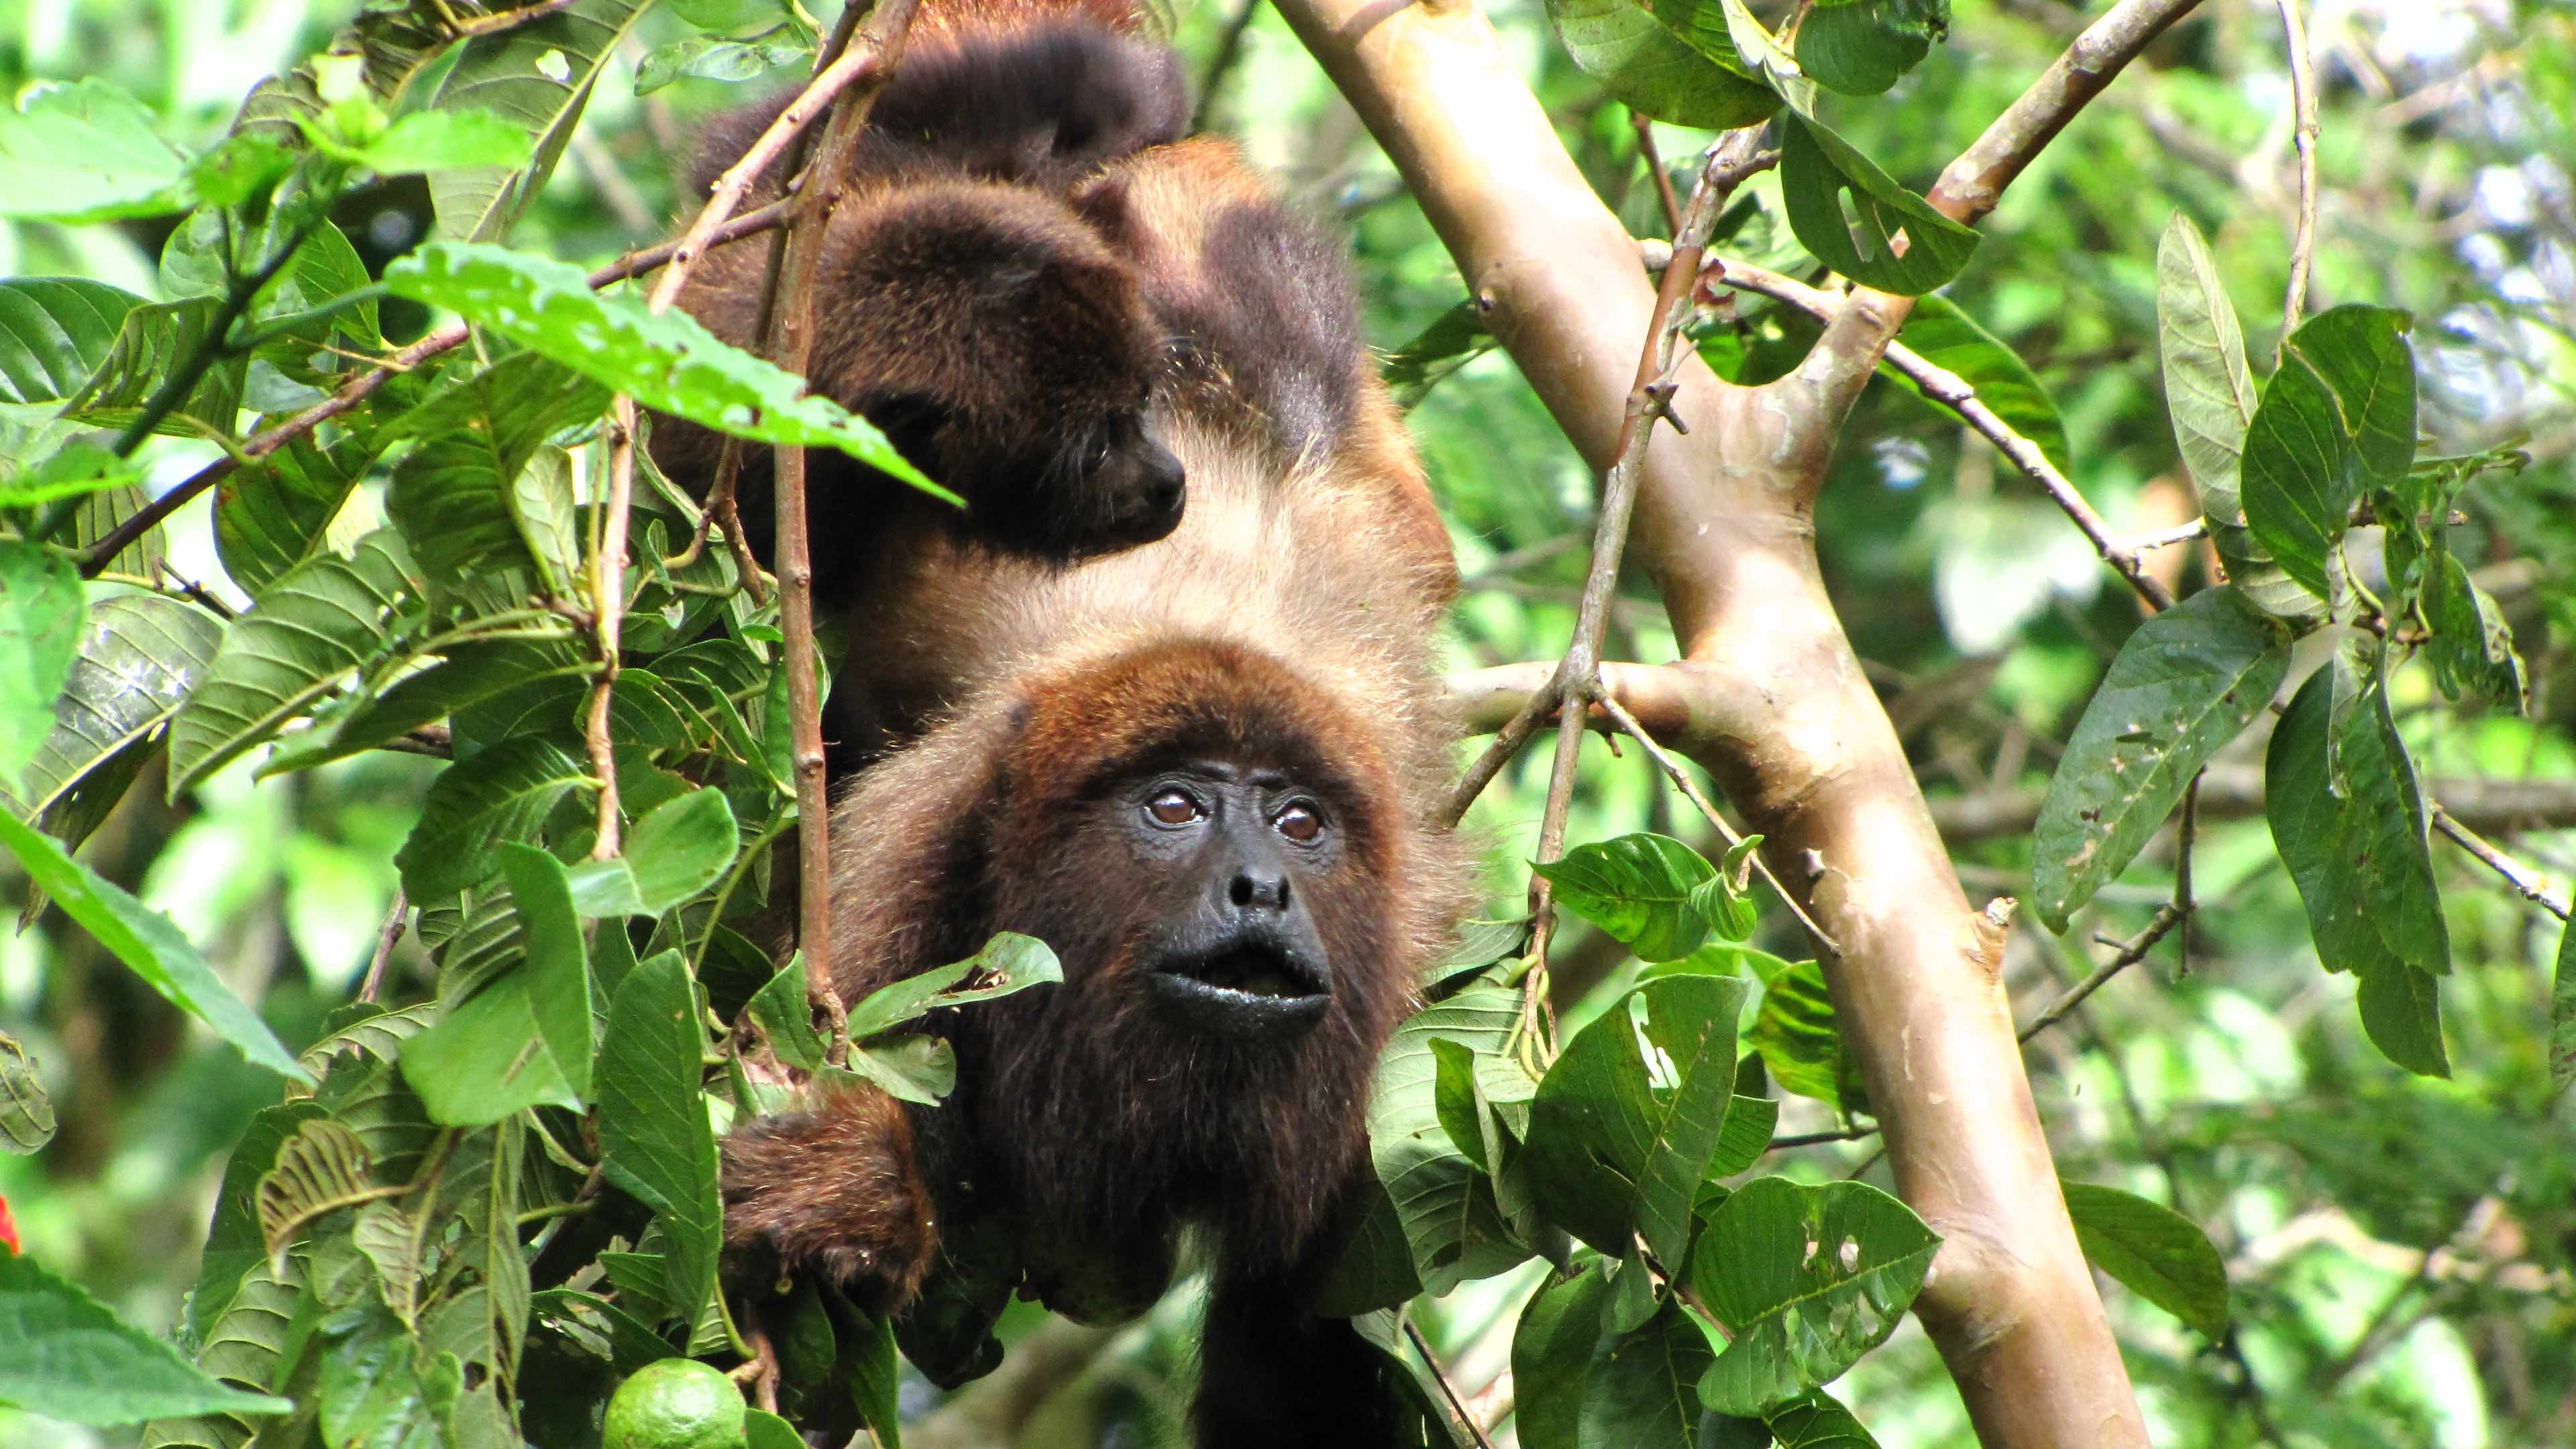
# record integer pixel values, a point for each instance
(1258, 890)
(1165, 484)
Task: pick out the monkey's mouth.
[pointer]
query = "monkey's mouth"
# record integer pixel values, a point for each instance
(1244, 989)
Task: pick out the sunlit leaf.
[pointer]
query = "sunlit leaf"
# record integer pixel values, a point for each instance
(54, 333)
(2337, 420)
(40, 636)
(71, 1359)
(1901, 244)
(1644, 65)
(85, 151)
(1651, 891)
(2161, 1255)
(2188, 681)
(1807, 1279)
(677, 850)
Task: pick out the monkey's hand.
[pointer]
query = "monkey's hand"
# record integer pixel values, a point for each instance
(834, 1192)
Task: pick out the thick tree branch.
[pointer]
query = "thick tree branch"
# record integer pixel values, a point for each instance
(1769, 695)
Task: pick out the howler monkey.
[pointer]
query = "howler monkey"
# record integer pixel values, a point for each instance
(1197, 748)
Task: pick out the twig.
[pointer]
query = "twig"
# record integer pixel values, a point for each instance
(1448, 1390)
(819, 95)
(790, 343)
(2524, 880)
(1811, 1139)
(2131, 953)
(1674, 771)
(1229, 47)
(363, 386)
(2303, 101)
(2186, 834)
(1655, 168)
(608, 607)
(1507, 742)
(385, 939)
(1953, 391)
(2168, 537)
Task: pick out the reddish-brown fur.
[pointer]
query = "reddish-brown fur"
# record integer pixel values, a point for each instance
(1288, 622)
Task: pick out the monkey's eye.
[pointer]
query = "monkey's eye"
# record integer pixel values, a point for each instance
(1174, 807)
(1299, 822)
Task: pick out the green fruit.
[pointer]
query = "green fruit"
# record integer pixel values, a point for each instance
(678, 1403)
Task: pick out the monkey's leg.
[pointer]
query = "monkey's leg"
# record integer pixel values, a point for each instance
(834, 1192)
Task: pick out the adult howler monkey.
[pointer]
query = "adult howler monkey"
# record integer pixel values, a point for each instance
(1197, 749)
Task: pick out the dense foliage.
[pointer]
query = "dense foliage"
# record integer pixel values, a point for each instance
(304, 780)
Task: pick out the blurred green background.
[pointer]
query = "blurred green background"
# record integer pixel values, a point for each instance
(2402, 1251)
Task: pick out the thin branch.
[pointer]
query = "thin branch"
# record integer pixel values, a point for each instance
(385, 939)
(1645, 125)
(1811, 1139)
(608, 609)
(363, 386)
(790, 343)
(2303, 101)
(1507, 742)
(2524, 880)
(2168, 537)
(1681, 777)
(818, 96)
(1448, 1390)
(1952, 390)
(2186, 835)
(2132, 952)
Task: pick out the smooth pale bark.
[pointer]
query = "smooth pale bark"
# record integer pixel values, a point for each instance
(1770, 696)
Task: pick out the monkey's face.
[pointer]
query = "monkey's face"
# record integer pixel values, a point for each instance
(1233, 859)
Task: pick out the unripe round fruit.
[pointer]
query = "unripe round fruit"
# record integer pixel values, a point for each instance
(678, 1403)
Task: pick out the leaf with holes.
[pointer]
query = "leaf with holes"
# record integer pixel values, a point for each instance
(1651, 891)
(1903, 245)
(1618, 1146)
(1862, 49)
(1807, 1279)
(2188, 681)
(314, 627)
(2161, 1255)
(1009, 962)
(2472, 645)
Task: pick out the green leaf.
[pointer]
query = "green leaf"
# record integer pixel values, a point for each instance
(1949, 338)
(1618, 1148)
(2337, 420)
(1859, 49)
(276, 513)
(2188, 681)
(537, 77)
(201, 258)
(875, 1380)
(151, 342)
(1552, 1352)
(2161, 1255)
(667, 361)
(786, 1017)
(477, 803)
(709, 57)
(678, 849)
(55, 332)
(1728, 33)
(1643, 1385)
(1817, 1422)
(1009, 962)
(1817, 167)
(916, 1068)
(314, 627)
(465, 499)
(653, 1134)
(558, 964)
(1452, 1226)
(2562, 1014)
(1644, 65)
(85, 151)
(40, 636)
(444, 140)
(71, 1359)
(1808, 1279)
(1651, 891)
(26, 1112)
(145, 940)
(1795, 1034)
(2209, 392)
(1479, 944)
(2472, 646)
(2361, 857)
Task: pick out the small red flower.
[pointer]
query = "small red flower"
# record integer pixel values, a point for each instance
(8, 1228)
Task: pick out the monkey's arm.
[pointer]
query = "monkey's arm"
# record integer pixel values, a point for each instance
(835, 1192)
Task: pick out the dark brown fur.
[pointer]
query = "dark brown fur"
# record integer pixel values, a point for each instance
(1288, 623)
(867, 1222)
